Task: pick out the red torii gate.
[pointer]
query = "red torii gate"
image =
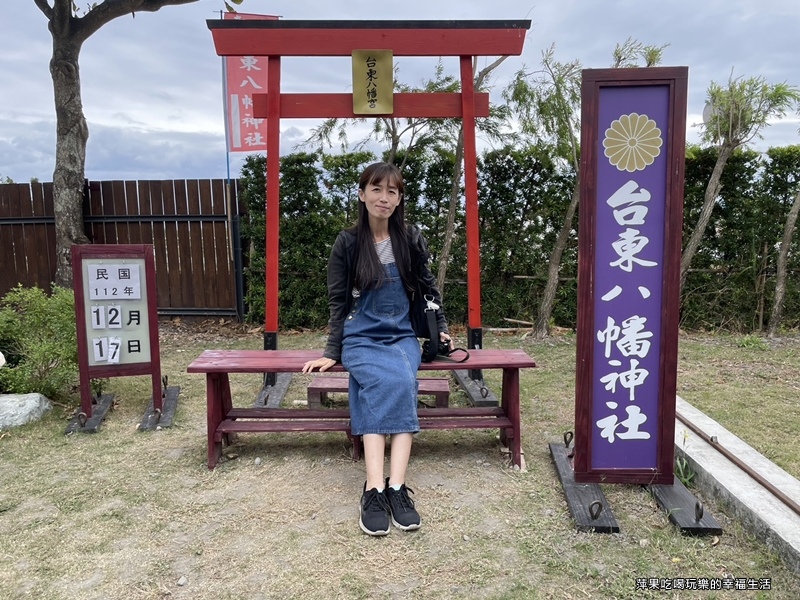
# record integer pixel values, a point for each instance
(275, 39)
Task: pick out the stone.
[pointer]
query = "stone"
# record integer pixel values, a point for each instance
(18, 409)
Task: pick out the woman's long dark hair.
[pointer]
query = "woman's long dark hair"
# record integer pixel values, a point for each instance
(369, 270)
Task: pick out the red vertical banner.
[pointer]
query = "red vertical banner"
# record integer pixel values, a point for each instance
(245, 76)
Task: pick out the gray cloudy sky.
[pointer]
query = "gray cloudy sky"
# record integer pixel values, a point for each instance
(152, 85)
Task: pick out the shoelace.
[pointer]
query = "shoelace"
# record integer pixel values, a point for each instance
(405, 501)
(376, 502)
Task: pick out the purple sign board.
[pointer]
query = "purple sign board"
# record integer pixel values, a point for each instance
(630, 226)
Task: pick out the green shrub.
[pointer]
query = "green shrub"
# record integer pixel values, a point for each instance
(37, 337)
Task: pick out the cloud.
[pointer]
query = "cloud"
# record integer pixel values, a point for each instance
(27, 149)
(152, 84)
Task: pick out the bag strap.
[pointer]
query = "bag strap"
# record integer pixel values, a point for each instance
(450, 358)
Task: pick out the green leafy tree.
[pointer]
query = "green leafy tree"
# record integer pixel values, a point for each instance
(492, 127)
(629, 53)
(429, 190)
(727, 279)
(253, 189)
(309, 223)
(736, 114)
(522, 190)
(547, 101)
(341, 173)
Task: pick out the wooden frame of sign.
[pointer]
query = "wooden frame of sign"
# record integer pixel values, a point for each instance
(116, 314)
(633, 129)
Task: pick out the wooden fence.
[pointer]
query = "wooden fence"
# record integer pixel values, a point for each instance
(198, 261)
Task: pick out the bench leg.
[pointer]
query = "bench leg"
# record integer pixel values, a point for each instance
(317, 399)
(227, 404)
(357, 444)
(510, 399)
(217, 387)
(442, 399)
(314, 400)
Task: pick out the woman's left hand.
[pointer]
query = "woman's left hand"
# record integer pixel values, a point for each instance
(445, 338)
(323, 364)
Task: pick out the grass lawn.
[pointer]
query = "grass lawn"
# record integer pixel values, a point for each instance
(124, 514)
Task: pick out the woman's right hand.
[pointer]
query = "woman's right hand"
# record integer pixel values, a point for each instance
(323, 364)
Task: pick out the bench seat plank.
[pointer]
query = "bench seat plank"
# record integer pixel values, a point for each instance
(267, 426)
(288, 425)
(292, 361)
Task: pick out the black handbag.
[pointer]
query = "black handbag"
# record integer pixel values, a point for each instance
(429, 330)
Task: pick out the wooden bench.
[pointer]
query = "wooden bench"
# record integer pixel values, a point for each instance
(223, 419)
(318, 390)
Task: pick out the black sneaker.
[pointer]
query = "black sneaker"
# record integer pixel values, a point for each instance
(404, 515)
(374, 509)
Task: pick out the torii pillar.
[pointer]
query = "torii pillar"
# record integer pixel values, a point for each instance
(276, 39)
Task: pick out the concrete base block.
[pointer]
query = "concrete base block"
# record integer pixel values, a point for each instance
(767, 517)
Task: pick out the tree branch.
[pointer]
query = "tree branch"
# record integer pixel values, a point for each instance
(112, 9)
(486, 71)
(43, 6)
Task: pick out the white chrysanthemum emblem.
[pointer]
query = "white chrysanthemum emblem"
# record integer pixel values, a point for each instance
(632, 142)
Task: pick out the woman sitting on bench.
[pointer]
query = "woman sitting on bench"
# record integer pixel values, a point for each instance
(376, 271)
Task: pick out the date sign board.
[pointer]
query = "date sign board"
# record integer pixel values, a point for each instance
(116, 315)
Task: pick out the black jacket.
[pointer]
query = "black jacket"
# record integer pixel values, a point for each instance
(341, 280)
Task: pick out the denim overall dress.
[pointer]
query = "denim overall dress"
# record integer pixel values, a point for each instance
(382, 355)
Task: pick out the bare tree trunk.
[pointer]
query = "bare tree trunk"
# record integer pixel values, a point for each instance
(71, 136)
(780, 275)
(542, 327)
(455, 189)
(761, 285)
(69, 31)
(709, 199)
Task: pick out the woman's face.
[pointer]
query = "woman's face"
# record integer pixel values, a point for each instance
(380, 198)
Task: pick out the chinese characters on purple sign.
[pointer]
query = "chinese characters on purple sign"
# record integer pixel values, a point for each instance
(631, 196)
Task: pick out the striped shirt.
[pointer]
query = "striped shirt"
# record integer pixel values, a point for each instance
(385, 255)
(384, 250)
